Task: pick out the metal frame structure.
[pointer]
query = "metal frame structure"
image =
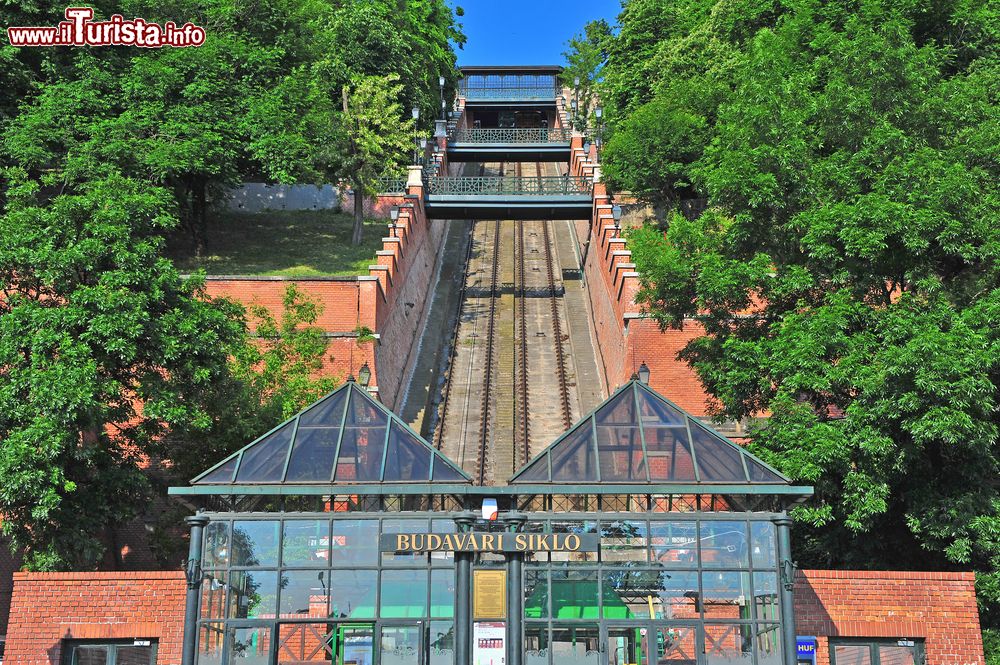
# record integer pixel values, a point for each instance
(509, 185)
(511, 135)
(647, 506)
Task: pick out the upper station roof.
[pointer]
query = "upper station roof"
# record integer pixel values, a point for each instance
(346, 437)
(513, 69)
(638, 436)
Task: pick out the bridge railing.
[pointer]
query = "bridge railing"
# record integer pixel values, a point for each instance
(387, 185)
(511, 135)
(509, 185)
(526, 93)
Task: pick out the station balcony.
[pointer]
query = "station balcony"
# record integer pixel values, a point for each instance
(536, 144)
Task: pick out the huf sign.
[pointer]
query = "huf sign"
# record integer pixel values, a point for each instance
(489, 542)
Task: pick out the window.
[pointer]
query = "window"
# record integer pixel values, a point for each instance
(876, 652)
(121, 652)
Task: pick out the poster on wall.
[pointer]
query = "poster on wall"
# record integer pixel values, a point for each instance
(488, 646)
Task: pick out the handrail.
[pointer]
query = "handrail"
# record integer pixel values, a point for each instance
(511, 135)
(388, 185)
(510, 185)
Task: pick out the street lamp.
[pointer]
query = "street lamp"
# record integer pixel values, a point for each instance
(576, 100)
(394, 214)
(598, 113)
(423, 149)
(616, 213)
(365, 375)
(415, 112)
(441, 86)
(643, 374)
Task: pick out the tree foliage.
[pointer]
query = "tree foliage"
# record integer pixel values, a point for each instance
(585, 56)
(371, 139)
(845, 273)
(113, 366)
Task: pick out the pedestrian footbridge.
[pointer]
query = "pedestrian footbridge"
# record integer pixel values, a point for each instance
(508, 197)
(536, 144)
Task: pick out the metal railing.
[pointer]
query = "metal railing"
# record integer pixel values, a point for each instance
(511, 135)
(509, 92)
(391, 185)
(509, 185)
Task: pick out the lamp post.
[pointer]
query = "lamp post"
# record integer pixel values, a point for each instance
(598, 114)
(394, 214)
(415, 112)
(365, 375)
(576, 101)
(441, 87)
(643, 373)
(616, 214)
(423, 149)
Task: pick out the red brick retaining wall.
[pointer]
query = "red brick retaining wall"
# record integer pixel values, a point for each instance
(626, 338)
(391, 300)
(938, 607)
(48, 608)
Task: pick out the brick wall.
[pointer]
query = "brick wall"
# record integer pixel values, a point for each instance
(626, 338)
(390, 300)
(939, 607)
(50, 607)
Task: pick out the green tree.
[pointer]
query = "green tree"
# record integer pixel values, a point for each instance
(845, 274)
(93, 324)
(373, 138)
(584, 58)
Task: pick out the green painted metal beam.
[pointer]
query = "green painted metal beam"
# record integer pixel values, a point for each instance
(498, 490)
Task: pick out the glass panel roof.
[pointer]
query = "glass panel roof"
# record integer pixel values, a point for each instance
(345, 437)
(639, 436)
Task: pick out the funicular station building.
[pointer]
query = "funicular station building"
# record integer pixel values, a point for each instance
(639, 536)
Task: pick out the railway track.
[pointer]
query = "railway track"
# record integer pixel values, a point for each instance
(512, 295)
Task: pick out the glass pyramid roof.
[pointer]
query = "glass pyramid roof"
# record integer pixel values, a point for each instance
(344, 438)
(638, 436)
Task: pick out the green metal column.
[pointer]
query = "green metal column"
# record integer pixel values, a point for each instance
(515, 594)
(463, 592)
(193, 574)
(787, 583)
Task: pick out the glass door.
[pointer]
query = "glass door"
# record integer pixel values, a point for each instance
(336, 643)
(401, 644)
(674, 644)
(628, 645)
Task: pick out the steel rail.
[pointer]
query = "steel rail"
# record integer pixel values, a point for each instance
(567, 414)
(521, 396)
(453, 352)
(485, 416)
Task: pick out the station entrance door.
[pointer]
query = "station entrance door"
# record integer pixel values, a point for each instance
(351, 643)
(651, 643)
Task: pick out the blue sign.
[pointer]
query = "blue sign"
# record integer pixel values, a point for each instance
(806, 650)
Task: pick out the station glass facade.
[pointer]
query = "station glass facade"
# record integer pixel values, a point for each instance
(292, 572)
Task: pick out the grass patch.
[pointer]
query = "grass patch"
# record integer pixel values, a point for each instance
(287, 243)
